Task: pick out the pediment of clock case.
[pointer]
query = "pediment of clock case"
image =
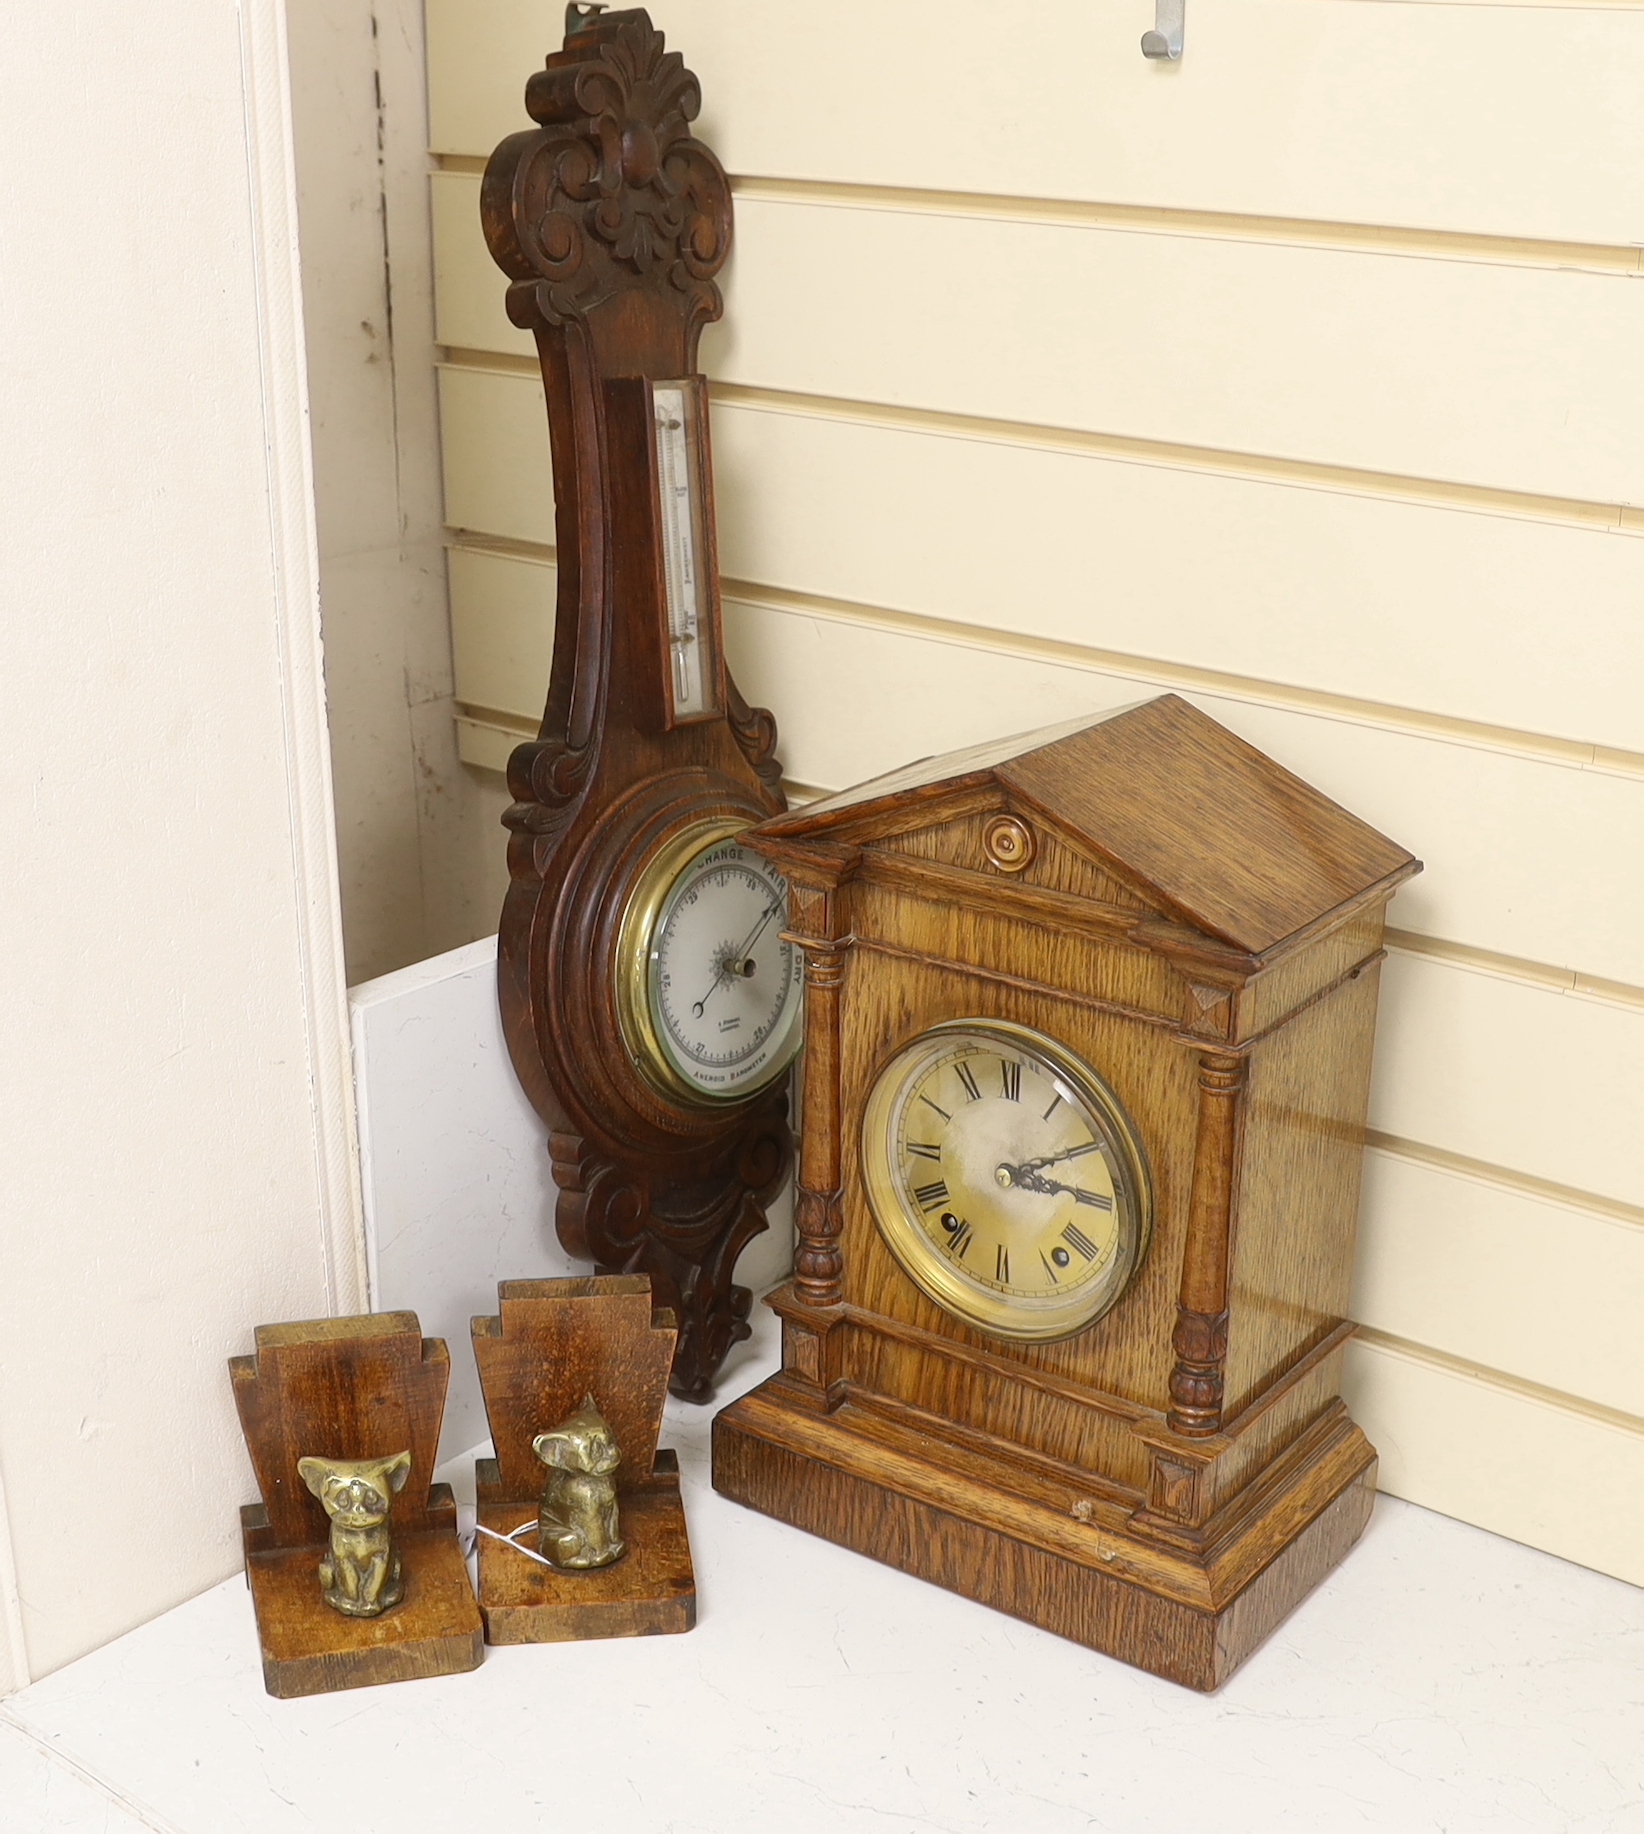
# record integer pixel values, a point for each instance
(1150, 808)
(1010, 842)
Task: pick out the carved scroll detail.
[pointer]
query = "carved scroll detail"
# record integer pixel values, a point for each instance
(612, 188)
(687, 1237)
(754, 729)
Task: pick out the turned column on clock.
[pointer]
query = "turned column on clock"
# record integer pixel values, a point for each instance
(1200, 1337)
(817, 916)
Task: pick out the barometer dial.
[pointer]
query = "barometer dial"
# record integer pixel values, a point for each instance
(711, 989)
(1006, 1179)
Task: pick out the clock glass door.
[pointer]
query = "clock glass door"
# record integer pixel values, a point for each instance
(1006, 1178)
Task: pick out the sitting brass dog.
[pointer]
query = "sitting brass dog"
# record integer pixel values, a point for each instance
(577, 1525)
(360, 1574)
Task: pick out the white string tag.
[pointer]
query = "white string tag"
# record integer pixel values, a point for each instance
(509, 1541)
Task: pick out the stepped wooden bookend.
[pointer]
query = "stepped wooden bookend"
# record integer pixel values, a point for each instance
(330, 1409)
(569, 1367)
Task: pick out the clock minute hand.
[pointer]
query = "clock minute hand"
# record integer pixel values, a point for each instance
(1025, 1178)
(1073, 1152)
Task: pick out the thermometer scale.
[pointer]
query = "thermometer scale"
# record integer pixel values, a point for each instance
(676, 447)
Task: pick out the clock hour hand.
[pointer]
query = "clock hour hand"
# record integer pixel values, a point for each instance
(1029, 1178)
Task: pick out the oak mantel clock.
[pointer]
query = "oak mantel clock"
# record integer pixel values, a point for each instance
(650, 1001)
(1088, 1031)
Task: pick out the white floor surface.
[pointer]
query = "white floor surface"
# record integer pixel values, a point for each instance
(1442, 1680)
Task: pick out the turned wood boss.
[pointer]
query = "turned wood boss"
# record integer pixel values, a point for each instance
(650, 1002)
(1089, 1023)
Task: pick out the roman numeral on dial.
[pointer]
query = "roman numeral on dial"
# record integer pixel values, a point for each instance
(1001, 1265)
(1079, 1242)
(967, 1077)
(1010, 1079)
(1095, 1201)
(931, 1196)
(922, 1150)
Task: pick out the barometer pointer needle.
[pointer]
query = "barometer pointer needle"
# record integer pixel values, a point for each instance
(722, 979)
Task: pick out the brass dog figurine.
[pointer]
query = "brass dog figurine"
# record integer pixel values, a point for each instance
(577, 1524)
(360, 1574)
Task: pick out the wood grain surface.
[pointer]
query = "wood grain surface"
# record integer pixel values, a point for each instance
(553, 1343)
(1203, 930)
(610, 228)
(649, 1592)
(350, 1388)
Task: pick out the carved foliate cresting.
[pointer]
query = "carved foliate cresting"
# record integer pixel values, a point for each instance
(613, 185)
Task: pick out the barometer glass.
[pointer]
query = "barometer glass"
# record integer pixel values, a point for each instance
(712, 992)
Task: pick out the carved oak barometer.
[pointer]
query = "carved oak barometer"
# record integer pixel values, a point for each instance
(649, 996)
(1088, 1036)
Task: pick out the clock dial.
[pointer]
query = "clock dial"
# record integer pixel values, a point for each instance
(1006, 1179)
(714, 991)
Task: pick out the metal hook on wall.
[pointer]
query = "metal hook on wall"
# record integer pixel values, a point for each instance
(1165, 40)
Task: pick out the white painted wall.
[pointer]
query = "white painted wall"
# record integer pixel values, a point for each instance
(421, 852)
(454, 1163)
(177, 1128)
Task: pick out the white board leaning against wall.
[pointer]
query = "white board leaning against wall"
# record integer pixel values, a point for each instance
(1305, 378)
(178, 1135)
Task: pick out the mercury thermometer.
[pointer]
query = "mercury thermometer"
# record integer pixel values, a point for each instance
(676, 475)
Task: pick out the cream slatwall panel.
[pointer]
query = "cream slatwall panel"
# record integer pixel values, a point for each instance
(1526, 1464)
(1316, 400)
(1481, 1064)
(1512, 121)
(494, 441)
(469, 289)
(1514, 1279)
(502, 637)
(1533, 860)
(1526, 858)
(1518, 378)
(1303, 587)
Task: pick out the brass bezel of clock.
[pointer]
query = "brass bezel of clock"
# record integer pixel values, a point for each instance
(971, 1297)
(636, 951)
